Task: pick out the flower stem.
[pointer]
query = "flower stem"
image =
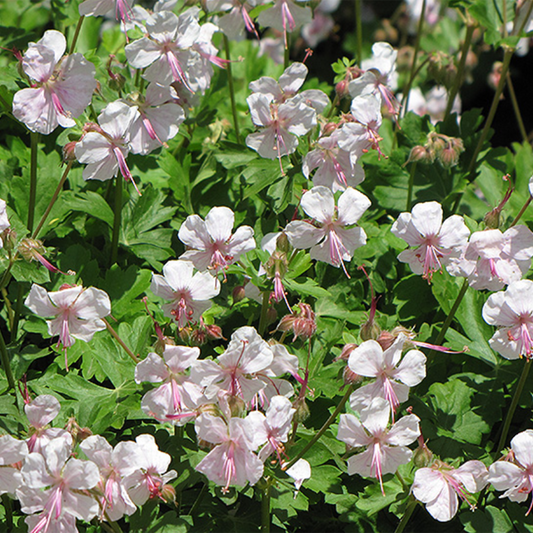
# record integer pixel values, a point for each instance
(265, 508)
(411, 506)
(76, 34)
(460, 69)
(410, 187)
(52, 201)
(516, 109)
(450, 316)
(16, 316)
(33, 180)
(264, 311)
(6, 363)
(407, 90)
(514, 404)
(519, 216)
(198, 500)
(359, 31)
(115, 335)
(232, 90)
(322, 430)
(117, 219)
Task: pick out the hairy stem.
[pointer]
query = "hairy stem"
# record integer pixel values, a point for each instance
(514, 404)
(264, 311)
(232, 90)
(450, 317)
(33, 180)
(6, 363)
(411, 506)
(76, 34)
(516, 109)
(18, 310)
(52, 201)
(519, 216)
(117, 219)
(322, 430)
(265, 508)
(115, 335)
(460, 69)
(407, 90)
(410, 187)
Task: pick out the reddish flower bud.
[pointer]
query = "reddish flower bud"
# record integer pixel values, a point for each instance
(68, 152)
(238, 294)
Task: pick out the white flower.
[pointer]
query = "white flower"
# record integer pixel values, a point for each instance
(512, 310)
(211, 244)
(386, 449)
(78, 312)
(232, 461)
(433, 244)
(12, 451)
(63, 85)
(189, 294)
(515, 476)
(331, 241)
(393, 378)
(440, 486)
(105, 148)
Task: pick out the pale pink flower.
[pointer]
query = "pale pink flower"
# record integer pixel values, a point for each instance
(281, 124)
(114, 464)
(232, 461)
(273, 428)
(177, 397)
(12, 451)
(78, 312)
(167, 50)
(440, 486)
(393, 377)
(211, 243)
(246, 355)
(158, 119)
(189, 293)
(330, 240)
(512, 311)
(62, 89)
(493, 259)
(98, 8)
(150, 476)
(433, 103)
(433, 243)
(40, 412)
(234, 23)
(335, 168)
(515, 475)
(285, 16)
(54, 483)
(386, 449)
(105, 147)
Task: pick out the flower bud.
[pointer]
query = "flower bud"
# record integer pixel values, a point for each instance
(419, 153)
(78, 433)
(237, 407)
(341, 89)
(282, 244)
(349, 376)
(9, 238)
(302, 411)
(329, 128)
(238, 294)
(28, 248)
(68, 152)
(449, 157)
(442, 69)
(422, 456)
(301, 322)
(370, 330)
(386, 339)
(168, 493)
(272, 315)
(214, 332)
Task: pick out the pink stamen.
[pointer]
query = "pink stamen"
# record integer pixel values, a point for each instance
(57, 104)
(337, 251)
(180, 312)
(229, 467)
(218, 61)
(248, 22)
(375, 466)
(338, 170)
(525, 338)
(390, 395)
(123, 166)
(176, 396)
(177, 71)
(279, 291)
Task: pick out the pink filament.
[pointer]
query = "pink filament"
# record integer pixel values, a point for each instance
(177, 71)
(375, 466)
(229, 466)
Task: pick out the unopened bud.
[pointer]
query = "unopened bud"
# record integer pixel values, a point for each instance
(329, 128)
(168, 494)
(449, 157)
(272, 315)
(302, 411)
(370, 330)
(346, 351)
(214, 332)
(422, 456)
(237, 407)
(283, 244)
(116, 81)
(9, 238)
(342, 89)
(419, 153)
(68, 152)
(238, 294)
(301, 322)
(78, 433)
(441, 68)
(386, 339)
(28, 248)
(349, 376)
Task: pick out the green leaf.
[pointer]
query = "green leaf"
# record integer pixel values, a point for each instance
(456, 419)
(488, 519)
